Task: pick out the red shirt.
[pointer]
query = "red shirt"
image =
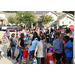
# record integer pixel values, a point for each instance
(16, 36)
(25, 53)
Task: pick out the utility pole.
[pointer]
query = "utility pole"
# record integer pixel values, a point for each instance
(74, 41)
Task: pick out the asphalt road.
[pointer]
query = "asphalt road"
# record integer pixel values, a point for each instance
(6, 60)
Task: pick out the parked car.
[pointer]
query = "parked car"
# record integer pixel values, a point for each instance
(3, 27)
(14, 27)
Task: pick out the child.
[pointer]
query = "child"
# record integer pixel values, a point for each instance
(8, 51)
(4, 38)
(1, 48)
(25, 54)
(16, 35)
(68, 49)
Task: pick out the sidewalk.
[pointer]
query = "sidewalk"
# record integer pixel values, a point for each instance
(5, 61)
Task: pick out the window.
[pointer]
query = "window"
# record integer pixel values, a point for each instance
(63, 22)
(69, 22)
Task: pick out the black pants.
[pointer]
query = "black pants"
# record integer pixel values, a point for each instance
(47, 40)
(58, 58)
(8, 53)
(41, 60)
(18, 57)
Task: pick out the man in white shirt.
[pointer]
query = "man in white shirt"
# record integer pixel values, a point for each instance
(52, 38)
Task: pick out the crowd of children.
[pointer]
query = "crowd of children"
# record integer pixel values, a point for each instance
(60, 39)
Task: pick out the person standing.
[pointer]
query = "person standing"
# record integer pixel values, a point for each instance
(35, 35)
(52, 38)
(32, 48)
(62, 33)
(8, 33)
(13, 44)
(47, 36)
(21, 45)
(41, 50)
(68, 49)
(58, 47)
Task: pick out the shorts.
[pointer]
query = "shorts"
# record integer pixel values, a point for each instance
(13, 49)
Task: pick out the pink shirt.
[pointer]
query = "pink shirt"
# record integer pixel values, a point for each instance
(59, 31)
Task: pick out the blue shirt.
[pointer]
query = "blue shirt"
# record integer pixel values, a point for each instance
(58, 45)
(34, 43)
(68, 52)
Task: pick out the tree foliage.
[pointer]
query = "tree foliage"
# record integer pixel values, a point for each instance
(11, 19)
(46, 18)
(27, 18)
(10, 11)
(18, 17)
(71, 12)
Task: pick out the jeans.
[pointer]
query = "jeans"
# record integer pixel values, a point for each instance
(32, 53)
(69, 59)
(51, 41)
(13, 49)
(20, 55)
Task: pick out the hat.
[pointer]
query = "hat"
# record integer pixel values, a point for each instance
(22, 34)
(36, 38)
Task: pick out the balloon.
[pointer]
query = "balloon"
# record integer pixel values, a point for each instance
(8, 46)
(21, 32)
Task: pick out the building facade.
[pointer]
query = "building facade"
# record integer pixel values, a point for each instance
(4, 17)
(60, 18)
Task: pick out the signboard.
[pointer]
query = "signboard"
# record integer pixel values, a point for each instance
(71, 27)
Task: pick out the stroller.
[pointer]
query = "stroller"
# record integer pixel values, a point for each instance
(4, 39)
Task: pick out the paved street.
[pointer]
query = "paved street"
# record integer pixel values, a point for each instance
(4, 60)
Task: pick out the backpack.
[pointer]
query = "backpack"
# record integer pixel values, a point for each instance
(13, 43)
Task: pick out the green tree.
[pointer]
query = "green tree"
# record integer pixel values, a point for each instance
(11, 19)
(29, 17)
(18, 17)
(26, 17)
(10, 11)
(46, 18)
(71, 12)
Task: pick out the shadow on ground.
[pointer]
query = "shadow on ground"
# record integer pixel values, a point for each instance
(6, 60)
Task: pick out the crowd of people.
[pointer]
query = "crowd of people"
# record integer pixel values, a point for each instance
(60, 39)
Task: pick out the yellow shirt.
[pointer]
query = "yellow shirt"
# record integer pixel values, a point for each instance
(68, 35)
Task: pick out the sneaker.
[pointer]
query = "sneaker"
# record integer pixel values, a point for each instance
(9, 57)
(14, 57)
